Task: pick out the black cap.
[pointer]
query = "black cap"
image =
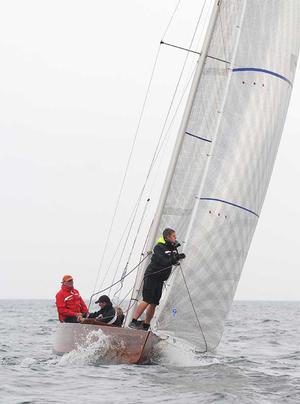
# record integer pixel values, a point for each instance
(103, 299)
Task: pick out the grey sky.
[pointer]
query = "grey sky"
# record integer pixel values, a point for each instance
(73, 78)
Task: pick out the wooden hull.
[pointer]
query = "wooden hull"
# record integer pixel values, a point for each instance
(123, 345)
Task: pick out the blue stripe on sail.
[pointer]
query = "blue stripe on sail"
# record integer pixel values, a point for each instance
(230, 203)
(256, 69)
(198, 137)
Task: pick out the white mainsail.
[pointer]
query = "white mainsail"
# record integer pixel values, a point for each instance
(228, 144)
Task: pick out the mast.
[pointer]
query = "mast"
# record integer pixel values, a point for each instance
(154, 227)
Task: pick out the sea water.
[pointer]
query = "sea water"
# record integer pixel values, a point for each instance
(258, 361)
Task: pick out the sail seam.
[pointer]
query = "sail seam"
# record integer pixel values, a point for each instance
(256, 69)
(229, 203)
(199, 137)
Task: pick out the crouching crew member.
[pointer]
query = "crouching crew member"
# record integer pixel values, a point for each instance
(70, 305)
(107, 313)
(165, 255)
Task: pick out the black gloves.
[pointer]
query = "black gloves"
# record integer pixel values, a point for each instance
(181, 256)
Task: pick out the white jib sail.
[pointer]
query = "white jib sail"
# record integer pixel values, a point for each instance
(225, 162)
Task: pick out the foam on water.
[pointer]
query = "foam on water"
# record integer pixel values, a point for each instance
(173, 355)
(28, 362)
(97, 348)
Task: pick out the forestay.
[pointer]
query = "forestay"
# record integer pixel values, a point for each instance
(225, 162)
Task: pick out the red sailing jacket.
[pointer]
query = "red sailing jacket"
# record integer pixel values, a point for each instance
(69, 303)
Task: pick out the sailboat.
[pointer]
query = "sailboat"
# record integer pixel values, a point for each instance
(218, 174)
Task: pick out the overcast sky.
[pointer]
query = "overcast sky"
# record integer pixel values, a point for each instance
(73, 78)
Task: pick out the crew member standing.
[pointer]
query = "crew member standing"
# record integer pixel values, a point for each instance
(165, 255)
(70, 305)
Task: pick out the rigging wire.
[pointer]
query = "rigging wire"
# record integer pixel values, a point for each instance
(132, 248)
(132, 147)
(165, 140)
(128, 273)
(125, 243)
(124, 298)
(142, 254)
(131, 218)
(171, 19)
(159, 145)
(126, 170)
(116, 250)
(145, 276)
(177, 85)
(120, 280)
(193, 307)
(201, 33)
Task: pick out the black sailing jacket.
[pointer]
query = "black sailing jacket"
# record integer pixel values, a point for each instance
(106, 314)
(164, 256)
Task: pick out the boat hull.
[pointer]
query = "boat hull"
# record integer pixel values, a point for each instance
(124, 345)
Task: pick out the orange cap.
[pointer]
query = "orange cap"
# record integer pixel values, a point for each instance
(67, 278)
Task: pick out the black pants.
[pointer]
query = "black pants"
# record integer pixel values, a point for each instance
(71, 319)
(152, 289)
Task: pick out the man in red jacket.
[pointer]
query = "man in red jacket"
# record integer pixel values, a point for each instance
(70, 305)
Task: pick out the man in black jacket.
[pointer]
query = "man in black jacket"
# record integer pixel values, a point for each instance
(107, 313)
(165, 255)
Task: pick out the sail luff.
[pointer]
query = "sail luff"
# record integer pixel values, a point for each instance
(177, 148)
